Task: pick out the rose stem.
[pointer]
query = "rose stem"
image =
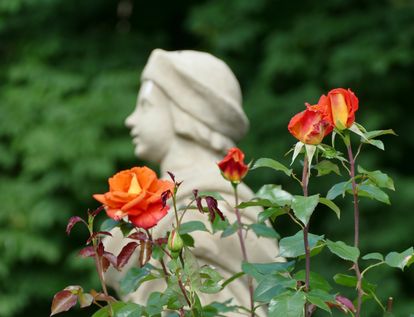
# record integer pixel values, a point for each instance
(356, 226)
(98, 263)
(243, 247)
(305, 179)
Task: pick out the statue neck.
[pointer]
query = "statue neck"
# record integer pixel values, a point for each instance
(186, 156)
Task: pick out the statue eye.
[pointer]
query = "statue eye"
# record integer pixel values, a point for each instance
(144, 104)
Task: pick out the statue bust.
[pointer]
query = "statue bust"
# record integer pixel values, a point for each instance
(188, 114)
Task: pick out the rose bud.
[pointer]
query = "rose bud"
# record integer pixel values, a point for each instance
(341, 106)
(175, 243)
(232, 166)
(309, 126)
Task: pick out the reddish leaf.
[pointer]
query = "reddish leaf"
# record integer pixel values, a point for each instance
(97, 211)
(141, 236)
(95, 234)
(87, 252)
(75, 289)
(85, 300)
(161, 241)
(172, 176)
(111, 258)
(105, 264)
(345, 302)
(100, 249)
(63, 301)
(102, 297)
(164, 197)
(342, 303)
(125, 254)
(73, 221)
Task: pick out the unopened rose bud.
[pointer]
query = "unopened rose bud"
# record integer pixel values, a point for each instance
(175, 243)
(232, 166)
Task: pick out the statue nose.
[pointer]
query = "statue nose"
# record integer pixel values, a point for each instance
(129, 121)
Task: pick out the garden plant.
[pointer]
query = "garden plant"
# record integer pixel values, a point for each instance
(137, 200)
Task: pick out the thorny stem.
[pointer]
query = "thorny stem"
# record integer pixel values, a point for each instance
(356, 226)
(305, 179)
(243, 247)
(180, 283)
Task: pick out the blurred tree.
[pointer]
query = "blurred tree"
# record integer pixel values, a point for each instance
(69, 73)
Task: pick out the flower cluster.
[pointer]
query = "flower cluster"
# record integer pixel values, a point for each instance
(137, 200)
(336, 110)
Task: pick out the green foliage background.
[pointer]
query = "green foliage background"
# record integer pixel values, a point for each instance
(69, 74)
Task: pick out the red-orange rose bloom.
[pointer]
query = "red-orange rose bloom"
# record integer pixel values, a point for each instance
(232, 166)
(136, 193)
(339, 107)
(309, 126)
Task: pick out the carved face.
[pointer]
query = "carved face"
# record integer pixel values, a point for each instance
(151, 123)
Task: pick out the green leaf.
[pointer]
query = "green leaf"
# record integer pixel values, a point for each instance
(329, 203)
(373, 192)
(303, 207)
(275, 194)
(373, 256)
(319, 298)
(230, 230)
(351, 281)
(326, 167)
(342, 250)
(210, 280)
(293, 246)
(191, 226)
(298, 147)
(316, 281)
(255, 202)
(155, 304)
(157, 252)
(287, 305)
(270, 163)
(338, 189)
(188, 239)
(378, 178)
(219, 225)
(360, 130)
(271, 213)
(272, 286)
(120, 309)
(261, 230)
(191, 269)
(134, 278)
(400, 260)
(232, 278)
(261, 270)
(376, 133)
(109, 224)
(330, 153)
(129, 310)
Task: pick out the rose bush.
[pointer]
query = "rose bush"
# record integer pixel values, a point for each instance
(137, 200)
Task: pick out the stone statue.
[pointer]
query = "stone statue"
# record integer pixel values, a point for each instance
(188, 114)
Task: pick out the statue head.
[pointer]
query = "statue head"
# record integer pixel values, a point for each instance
(186, 94)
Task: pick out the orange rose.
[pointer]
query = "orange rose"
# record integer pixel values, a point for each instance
(232, 166)
(309, 126)
(339, 107)
(136, 193)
